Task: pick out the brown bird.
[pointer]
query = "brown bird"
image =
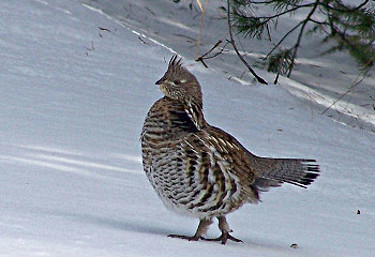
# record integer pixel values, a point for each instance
(200, 170)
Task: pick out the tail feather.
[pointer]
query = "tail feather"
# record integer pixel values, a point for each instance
(274, 172)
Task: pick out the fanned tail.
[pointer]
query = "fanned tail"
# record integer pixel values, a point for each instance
(274, 172)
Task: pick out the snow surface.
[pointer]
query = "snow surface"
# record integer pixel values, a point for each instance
(75, 86)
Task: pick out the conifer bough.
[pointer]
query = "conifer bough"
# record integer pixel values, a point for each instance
(349, 26)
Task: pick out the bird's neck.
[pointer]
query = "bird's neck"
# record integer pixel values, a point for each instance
(194, 109)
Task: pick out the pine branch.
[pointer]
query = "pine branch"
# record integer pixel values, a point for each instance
(297, 7)
(351, 25)
(344, 8)
(283, 38)
(360, 5)
(260, 80)
(297, 45)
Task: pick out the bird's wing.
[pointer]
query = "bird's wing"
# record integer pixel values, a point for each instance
(218, 158)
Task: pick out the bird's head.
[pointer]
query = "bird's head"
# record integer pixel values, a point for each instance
(179, 84)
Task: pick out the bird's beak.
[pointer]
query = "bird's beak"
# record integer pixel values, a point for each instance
(159, 82)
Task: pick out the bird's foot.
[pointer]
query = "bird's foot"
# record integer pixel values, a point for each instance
(189, 238)
(224, 238)
(201, 230)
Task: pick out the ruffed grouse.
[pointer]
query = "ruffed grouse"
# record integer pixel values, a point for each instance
(200, 170)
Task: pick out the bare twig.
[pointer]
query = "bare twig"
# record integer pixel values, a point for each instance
(212, 48)
(356, 82)
(92, 48)
(202, 61)
(104, 29)
(205, 57)
(260, 80)
(142, 40)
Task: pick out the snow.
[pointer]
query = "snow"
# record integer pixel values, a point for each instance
(75, 86)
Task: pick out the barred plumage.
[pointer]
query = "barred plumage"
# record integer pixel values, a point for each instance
(200, 170)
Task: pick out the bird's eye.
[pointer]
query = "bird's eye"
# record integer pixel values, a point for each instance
(176, 82)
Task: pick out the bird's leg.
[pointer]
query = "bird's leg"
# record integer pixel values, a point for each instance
(224, 228)
(201, 230)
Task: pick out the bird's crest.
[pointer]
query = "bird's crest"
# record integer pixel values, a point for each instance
(175, 62)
